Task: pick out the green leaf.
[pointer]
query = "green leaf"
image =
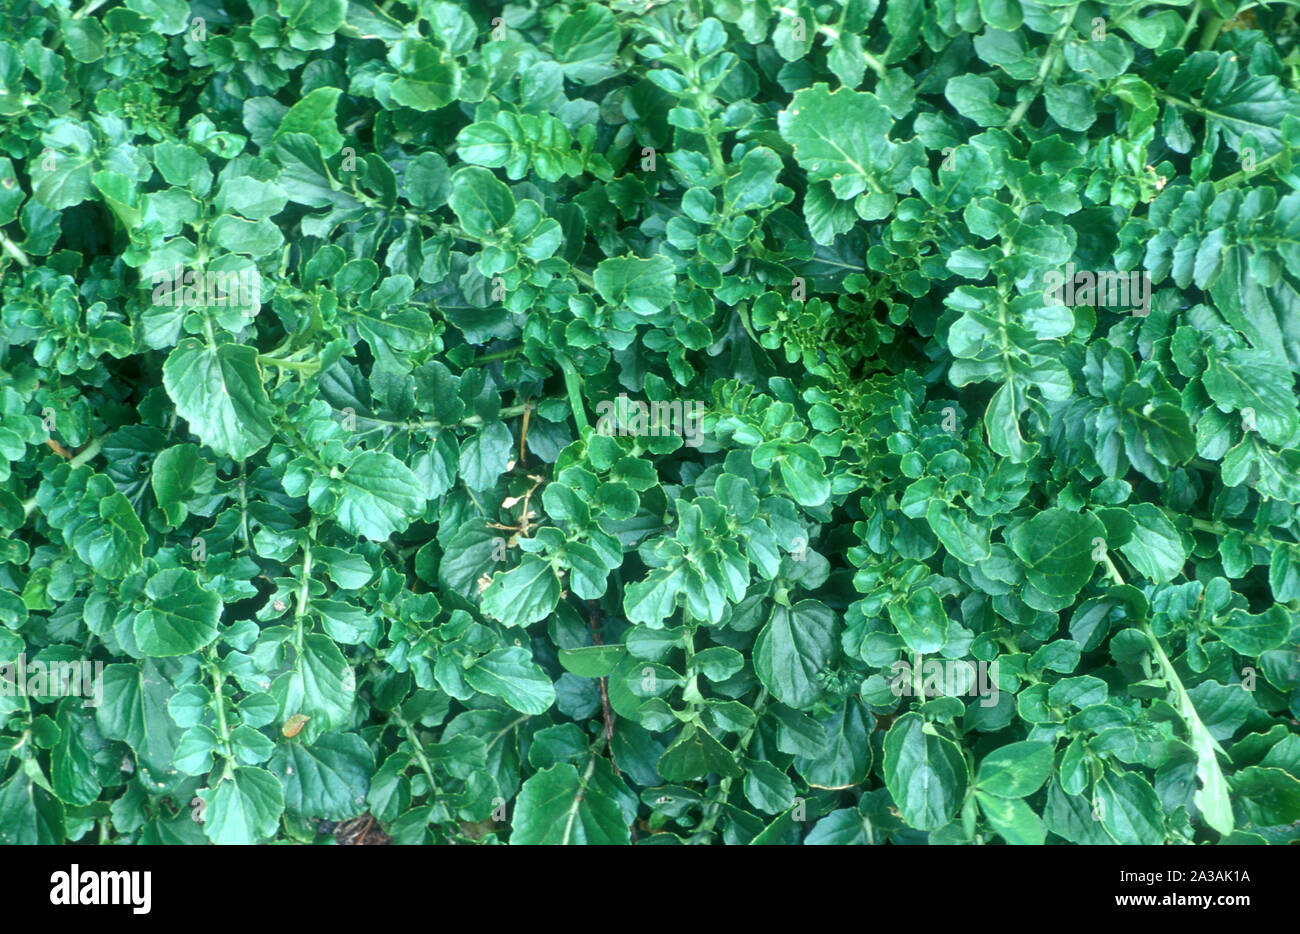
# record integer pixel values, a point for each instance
(1012, 818)
(964, 539)
(244, 807)
(585, 42)
(321, 686)
(925, 773)
(113, 546)
(1130, 809)
(592, 661)
(524, 594)
(329, 778)
(133, 710)
(219, 392)
(841, 137)
(1015, 770)
(29, 814)
(484, 457)
(920, 620)
(1254, 634)
(483, 204)
(1267, 797)
(844, 756)
(182, 615)
(1156, 548)
(644, 285)
(976, 97)
(696, 754)
(559, 806)
(755, 183)
(1256, 383)
(511, 675)
(793, 650)
(316, 115)
(180, 474)
(1056, 547)
(378, 496)
(73, 772)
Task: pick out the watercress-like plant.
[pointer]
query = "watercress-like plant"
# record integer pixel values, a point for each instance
(655, 421)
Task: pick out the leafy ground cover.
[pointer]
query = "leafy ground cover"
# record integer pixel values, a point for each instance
(704, 421)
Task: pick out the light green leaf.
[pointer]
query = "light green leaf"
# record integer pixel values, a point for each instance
(793, 649)
(244, 808)
(379, 495)
(181, 617)
(219, 391)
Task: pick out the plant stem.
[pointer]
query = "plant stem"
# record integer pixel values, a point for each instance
(219, 701)
(724, 786)
(1049, 62)
(573, 386)
(243, 509)
(89, 8)
(1219, 528)
(417, 749)
(594, 609)
(305, 366)
(1191, 24)
(1210, 34)
(15, 251)
(304, 588)
(1236, 178)
(577, 800)
(499, 355)
(89, 451)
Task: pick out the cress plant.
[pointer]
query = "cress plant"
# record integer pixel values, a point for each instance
(670, 421)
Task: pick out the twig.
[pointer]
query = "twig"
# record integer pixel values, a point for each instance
(523, 434)
(85, 454)
(594, 609)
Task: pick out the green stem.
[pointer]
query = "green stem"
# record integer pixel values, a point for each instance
(219, 701)
(1191, 24)
(705, 107)
(1219, 528)
(1111, 571)
(573, 386)
(15, 251)
(1049, 62)
(243, 509)
(1236, 178)
(577, 800)
(1210, 34)
(90, 450)
(432, 424)
(303, 366)
(89, 8)
(304, 587)
(498, 355)
(417, 749)
(724, 787)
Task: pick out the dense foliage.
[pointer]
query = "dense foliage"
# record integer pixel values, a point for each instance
(655, 420)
